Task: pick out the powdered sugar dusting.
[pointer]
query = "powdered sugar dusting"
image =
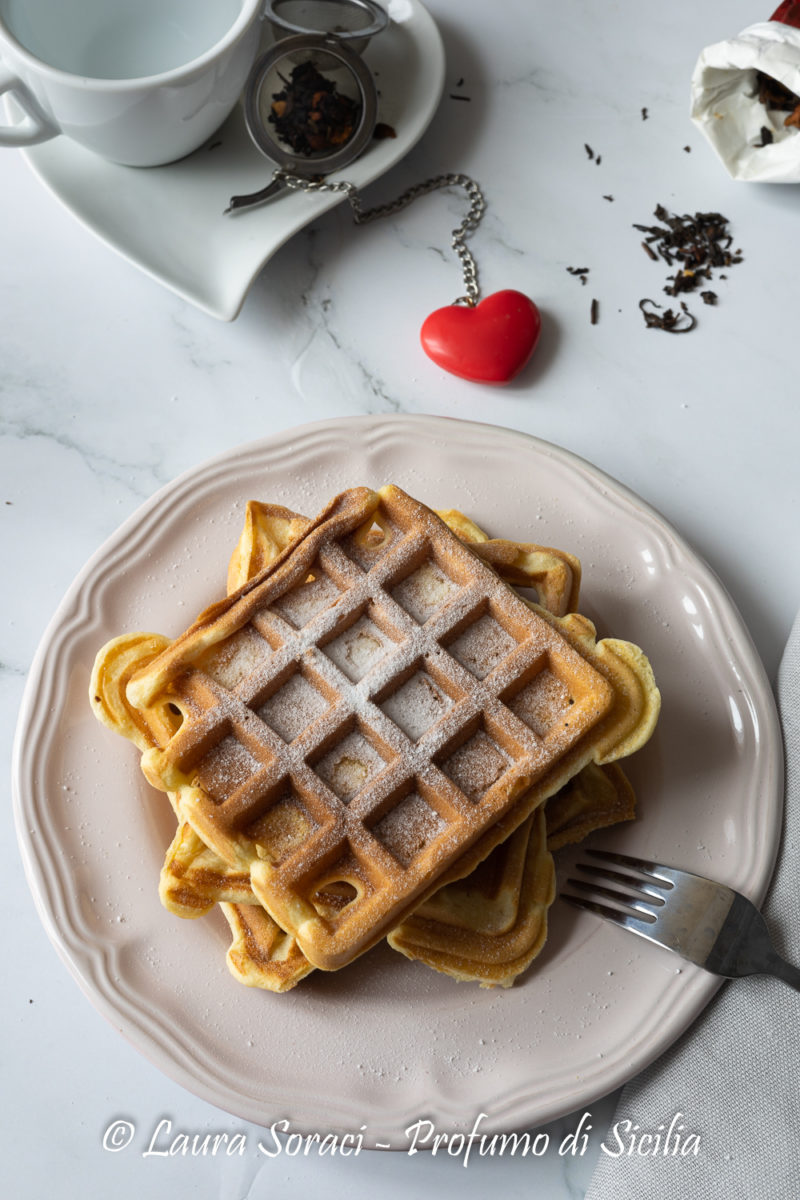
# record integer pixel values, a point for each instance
(293, 707)
(367, 546)
(417, 705)
(226, 768)
(233, 660)
(359, 648)
(409, 827)
(423, 592)
(541, 702)
(350, 765)
(482, 646)
(284, 827)
(476, 765)
(300, 604)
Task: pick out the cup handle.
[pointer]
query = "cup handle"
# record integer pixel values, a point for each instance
(35, 127)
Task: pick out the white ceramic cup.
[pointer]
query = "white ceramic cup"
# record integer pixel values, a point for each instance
(140, 82)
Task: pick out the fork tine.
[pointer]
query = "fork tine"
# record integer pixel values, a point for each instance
(626, 920)
(630, 899)
(706, 922)
(654, 889)
(645, 865)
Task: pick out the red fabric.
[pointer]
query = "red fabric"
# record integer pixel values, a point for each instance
(788, 13)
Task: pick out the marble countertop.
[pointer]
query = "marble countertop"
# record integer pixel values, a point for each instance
(111, 386)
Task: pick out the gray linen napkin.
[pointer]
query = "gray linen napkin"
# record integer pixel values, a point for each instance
(735, 1075)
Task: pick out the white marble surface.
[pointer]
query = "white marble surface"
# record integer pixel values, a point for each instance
(110, 386)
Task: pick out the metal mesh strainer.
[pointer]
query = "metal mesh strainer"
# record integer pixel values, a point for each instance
(308, 133)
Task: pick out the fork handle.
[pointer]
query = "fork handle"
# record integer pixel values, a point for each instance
(781, 969)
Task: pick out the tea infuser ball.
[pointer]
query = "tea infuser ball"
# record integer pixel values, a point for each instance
(339, 66)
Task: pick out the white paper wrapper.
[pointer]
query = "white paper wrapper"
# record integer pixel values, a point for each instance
(725, 104)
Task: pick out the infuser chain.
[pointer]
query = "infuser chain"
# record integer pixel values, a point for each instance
(363, 216)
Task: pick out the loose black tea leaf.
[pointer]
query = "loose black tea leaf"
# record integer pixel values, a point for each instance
(645, 114)
(611, 198)
(581, 272)
(774, 95)
(310, 115)
(698, 245)
(776, 98)
(668, 320)
(588, 149)
(594, 312)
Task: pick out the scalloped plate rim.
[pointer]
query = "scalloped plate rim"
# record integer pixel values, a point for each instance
(683, 997)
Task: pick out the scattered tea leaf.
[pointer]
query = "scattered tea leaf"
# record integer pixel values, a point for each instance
(698, 245)
(668, 319)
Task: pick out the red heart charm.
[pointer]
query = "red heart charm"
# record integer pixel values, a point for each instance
(489, 343)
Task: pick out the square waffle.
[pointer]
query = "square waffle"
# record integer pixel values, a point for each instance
(490, 926)
(487, 928)
(346, 825)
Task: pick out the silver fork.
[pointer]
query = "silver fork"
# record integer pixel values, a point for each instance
(705, 922)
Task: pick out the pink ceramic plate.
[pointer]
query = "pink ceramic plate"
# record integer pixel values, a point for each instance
(386, 1041)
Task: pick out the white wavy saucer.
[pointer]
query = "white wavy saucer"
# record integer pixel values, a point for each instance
(387, 1042)
(169, 221)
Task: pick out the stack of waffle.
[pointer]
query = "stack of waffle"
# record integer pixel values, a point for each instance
(374, 735)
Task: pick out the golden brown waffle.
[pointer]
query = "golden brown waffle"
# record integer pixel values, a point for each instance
(490, 926)
(495, 923)
(553, 574)
(487, 928)
(378, 589)
(194, 878)
(499, 914)
(498, 929)
(268, 530)
(593, 799)
(261, 955)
